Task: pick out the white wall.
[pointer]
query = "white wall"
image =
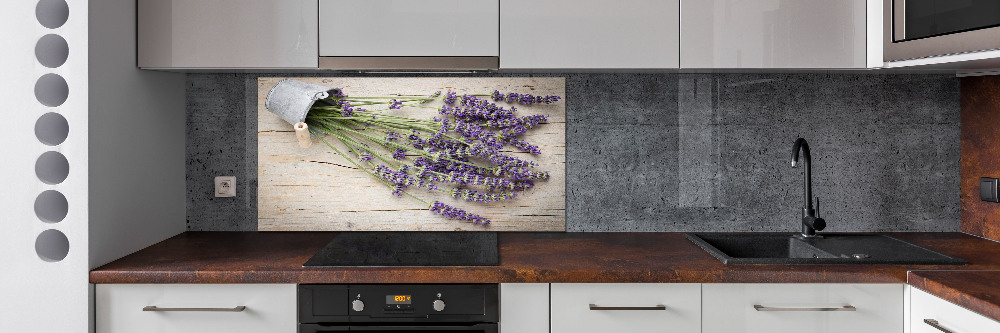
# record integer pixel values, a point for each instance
(137, 185)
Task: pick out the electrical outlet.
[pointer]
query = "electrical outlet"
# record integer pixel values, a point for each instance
(225, 186)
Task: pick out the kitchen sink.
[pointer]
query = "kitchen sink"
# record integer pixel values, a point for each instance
(789, 248)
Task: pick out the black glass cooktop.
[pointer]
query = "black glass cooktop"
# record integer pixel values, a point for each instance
(409, 248)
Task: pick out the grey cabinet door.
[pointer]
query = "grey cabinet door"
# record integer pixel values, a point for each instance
(239, 34)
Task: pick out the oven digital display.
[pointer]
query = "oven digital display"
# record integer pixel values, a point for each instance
(397, 299)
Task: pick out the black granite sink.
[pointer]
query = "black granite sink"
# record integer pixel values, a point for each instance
(786, 248)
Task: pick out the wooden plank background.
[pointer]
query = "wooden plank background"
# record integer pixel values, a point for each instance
(315, 189)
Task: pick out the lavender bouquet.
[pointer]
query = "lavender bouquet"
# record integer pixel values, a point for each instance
(458, 151)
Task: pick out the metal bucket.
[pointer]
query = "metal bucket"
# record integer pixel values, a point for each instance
(291, 99)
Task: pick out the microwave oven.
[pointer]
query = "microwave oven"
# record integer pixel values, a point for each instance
(915, 29)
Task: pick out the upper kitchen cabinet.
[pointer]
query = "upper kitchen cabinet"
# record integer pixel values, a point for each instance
(581, 34)
(220, 34)
(780, 34)
(407, 34)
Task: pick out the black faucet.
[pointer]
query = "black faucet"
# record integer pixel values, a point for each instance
(810, 222)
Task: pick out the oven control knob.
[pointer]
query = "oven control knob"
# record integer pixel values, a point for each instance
(438, 305)
(358, 305)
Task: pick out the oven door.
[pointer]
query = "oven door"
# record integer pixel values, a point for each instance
(927, 28)
(472, 328)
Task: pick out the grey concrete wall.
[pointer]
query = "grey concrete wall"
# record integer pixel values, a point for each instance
(683, 152)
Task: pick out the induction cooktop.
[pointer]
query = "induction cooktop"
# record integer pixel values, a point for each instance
(408, 248)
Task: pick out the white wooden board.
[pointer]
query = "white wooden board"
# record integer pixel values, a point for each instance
(316, 189)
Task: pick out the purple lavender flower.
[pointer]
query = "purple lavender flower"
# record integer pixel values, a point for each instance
(457, 214)
(462, 150)
(400, 179)
(337, 93)
(481, 197)
(522, 145)
(346, 109)
(526, 99)
(512, 97)
(431, 97)
(450, 98)
(395, 104)
(399, 154)
(391, 136)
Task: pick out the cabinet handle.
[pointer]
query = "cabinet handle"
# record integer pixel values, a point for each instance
(631, 308)
(759, 307)
(935, 324)
(233, 309)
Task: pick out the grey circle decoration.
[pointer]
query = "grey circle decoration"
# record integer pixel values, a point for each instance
(51, 129)
(51, 51)
(52, 167)
(51, 206)
(51, 90)
(52, 245)
(52, 13)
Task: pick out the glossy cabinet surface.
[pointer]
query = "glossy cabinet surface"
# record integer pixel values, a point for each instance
(227, 34)
(626, 307)
(730, 308)
(947, 315)
(589, 34)
(774, 34)
(524, 308)
(269, 308)
(409, 28)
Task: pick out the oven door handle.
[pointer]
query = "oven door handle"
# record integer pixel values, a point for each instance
(484, 328)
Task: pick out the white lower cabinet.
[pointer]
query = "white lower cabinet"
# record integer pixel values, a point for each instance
(524, 308)
(196, 308)
(930, 314)
(802, 308)
(626, 307)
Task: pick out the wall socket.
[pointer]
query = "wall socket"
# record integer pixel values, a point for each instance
(225, 186)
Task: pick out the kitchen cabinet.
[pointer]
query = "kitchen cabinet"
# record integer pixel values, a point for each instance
(780, 34)
(223, 34)
(406, 28)
(626, 307)
(802, 308)
(585, 34)
(930, 314)
(196, 308)
(524, 308)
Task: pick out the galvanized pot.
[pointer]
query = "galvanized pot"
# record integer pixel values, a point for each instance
(291, 99)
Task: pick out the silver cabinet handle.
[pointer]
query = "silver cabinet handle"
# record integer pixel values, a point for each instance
(233, 309)
(759, 307)
(935, 324)
(616, 308)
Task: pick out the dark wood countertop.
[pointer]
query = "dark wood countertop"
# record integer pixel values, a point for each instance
(978, 291)
(277, 257)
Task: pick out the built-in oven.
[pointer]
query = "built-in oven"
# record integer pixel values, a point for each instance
(927, 28)
(465, 308)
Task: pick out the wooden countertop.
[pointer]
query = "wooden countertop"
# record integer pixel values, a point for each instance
(978, 291)
(277, 257)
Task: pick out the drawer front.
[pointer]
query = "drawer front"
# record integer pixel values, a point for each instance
(949, 316)
(268, 308)
(729, 308)
(524, 308)
(572, 311)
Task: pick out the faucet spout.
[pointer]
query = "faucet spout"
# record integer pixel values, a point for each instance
(810, 222)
